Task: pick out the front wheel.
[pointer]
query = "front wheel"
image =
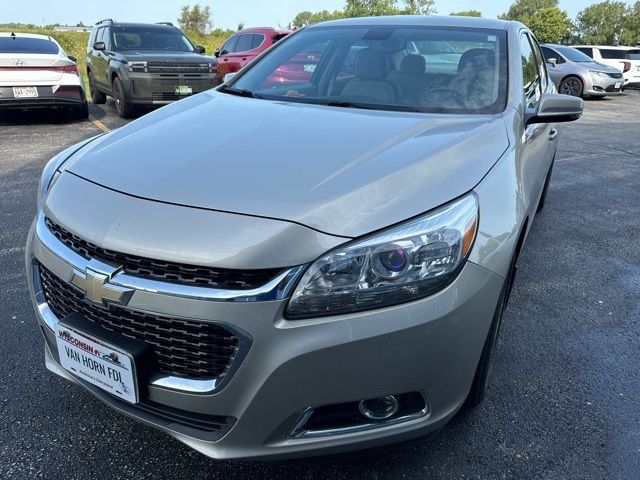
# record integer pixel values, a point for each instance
(97, 96)
(124, 108)
(571, 86)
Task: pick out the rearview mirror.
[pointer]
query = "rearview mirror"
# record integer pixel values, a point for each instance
(99, 46)
(200, 49)
(555, 108)
(217, 52)
(229, 76)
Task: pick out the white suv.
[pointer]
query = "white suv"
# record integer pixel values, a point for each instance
(626, 59)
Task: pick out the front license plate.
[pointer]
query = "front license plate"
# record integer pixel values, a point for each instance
(97, 362)
(25, 92)
(184, 90)
(617, 85)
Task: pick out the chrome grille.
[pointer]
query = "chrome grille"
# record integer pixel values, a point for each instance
(182, 348)
(166, 271)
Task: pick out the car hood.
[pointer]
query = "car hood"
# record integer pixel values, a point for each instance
(601, 67)
(341, 171)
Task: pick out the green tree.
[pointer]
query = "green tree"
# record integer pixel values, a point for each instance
(550, 25)
(370, 8)
(419, 7)
(522, 10)
(631, 26)
(467, 13)
(602, 23)
(308, 18)
(195, 19)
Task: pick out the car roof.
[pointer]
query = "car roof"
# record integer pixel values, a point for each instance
(610, 47)
(27, 35)
(263, 30)
(421, 20)
(132, 24)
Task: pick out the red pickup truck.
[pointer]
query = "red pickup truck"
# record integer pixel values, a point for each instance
(243, 47)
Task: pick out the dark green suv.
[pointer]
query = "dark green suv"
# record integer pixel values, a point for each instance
(145, 64)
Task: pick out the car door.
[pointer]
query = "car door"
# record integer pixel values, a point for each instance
(241, 56)
(101, 60)
(226, 51)
(555, 69)
(539, 140)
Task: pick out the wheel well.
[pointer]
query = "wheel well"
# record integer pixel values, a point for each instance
(114, 75)
(573, 76)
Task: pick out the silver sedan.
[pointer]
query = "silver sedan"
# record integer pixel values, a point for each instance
(271, 270)
(574, 73)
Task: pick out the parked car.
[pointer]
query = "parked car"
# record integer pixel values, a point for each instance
(144, 64)
(35, 72)
(625, 59)
(326, 273)
(244, 46)
(574, 73)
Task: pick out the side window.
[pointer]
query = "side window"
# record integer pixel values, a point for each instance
(542, 67)
(258, 39)
(530, 73)
(612, 54)
(586, 50)
(106, 37)
(99, 34)
(244, 43)
(548, 53)
(92, 38)
(229, 46)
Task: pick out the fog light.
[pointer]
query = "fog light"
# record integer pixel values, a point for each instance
(379, 408)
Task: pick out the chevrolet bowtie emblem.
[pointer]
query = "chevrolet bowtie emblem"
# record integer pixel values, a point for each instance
(94, 281)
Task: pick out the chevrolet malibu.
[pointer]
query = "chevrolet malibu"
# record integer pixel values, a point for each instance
(325, 272)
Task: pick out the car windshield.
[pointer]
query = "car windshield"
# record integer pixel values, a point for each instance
(150, 38)
(19, 44)
(426, 69)
(573, 55)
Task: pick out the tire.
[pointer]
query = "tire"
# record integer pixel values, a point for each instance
(545, 189)
(571, 86)
(124, 108)
(82, 112)
(97, 96)
(480, 384)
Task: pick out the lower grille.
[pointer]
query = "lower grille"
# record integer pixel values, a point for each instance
(180, 348)
(166, 97)
(612, 88)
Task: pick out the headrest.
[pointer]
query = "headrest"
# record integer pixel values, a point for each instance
(413, 64)
(478, 58)
(370, 65)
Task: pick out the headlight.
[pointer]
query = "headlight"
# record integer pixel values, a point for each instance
(598, 74)
(137, 66)
(400, 264)
(52, 168)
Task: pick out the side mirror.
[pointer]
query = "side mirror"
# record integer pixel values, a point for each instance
(555, 108)
(72, 58)
(200, 49)
(217, 52)
(552, 61)
(100, 46)
(229, 76)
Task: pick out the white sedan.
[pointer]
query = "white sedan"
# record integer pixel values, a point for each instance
(35, 72)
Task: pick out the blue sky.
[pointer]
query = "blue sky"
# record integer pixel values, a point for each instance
(226, 14)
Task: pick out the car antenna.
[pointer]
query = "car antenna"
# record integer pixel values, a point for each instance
(13, 35)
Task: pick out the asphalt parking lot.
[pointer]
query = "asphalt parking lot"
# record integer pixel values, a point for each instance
(564, 397)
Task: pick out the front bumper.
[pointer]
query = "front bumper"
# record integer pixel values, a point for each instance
(157, 89)
(604, 86)
(430, 346)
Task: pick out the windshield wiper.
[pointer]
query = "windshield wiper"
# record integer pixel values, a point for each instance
(370, 106)
(239, 92)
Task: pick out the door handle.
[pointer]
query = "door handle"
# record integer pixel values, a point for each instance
(553, 134)
(244, 59)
